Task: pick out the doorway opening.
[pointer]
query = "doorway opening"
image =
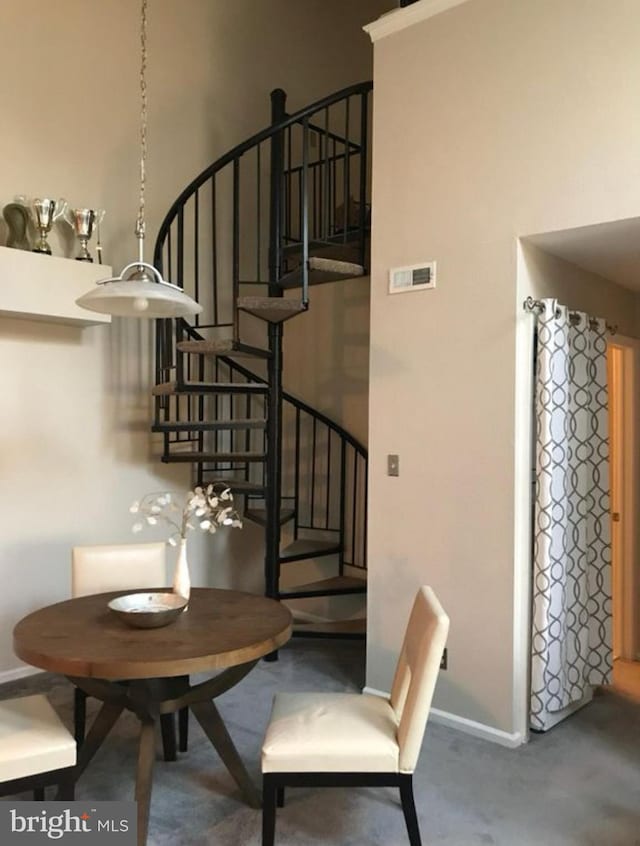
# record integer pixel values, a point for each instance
(593, 269)
(622, 363)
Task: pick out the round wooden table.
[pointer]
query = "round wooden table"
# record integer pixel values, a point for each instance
(221, 630)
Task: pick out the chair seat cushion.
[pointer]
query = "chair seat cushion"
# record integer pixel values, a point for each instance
(330, 732)
(32, 739)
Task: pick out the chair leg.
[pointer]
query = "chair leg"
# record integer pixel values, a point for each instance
(280, 796)
(168, 727)
(66, 791)
(79, 715)
(409, 809)
(269, 791)
(183, 729)
(38, 794)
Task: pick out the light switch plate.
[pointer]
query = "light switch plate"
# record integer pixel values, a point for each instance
(393, 465)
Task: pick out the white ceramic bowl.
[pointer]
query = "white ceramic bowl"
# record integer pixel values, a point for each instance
(148, 610)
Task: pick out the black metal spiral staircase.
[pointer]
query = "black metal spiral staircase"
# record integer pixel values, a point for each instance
(286, 209)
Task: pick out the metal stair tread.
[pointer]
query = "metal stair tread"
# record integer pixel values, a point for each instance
(225, 346)
(331, 628)
(235, 485)
(336, 251)
(169, 388)
(271, 309)
(213, 457)
(309, 548)
(324, 587)
(322, 270)
(342, 239)
(215, 425)
(259, 515)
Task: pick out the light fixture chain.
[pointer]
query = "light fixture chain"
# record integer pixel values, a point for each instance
(139, 290)
(140, 225)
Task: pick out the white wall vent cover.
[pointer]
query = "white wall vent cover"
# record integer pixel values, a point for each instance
(416, 277)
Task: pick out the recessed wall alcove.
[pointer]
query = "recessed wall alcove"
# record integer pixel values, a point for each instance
(593, 268)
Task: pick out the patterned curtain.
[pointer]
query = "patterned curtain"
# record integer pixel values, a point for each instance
(571, 639)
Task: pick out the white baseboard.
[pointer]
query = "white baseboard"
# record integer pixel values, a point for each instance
(18, 673)
(444, 718)
(502, 738)
(373, 691)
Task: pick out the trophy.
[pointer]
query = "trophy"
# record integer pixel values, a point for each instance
(46, 212)
(83, 222)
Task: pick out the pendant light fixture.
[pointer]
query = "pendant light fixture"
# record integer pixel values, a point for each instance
(140, 290)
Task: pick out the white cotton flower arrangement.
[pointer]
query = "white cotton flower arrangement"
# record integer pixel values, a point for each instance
(209, 509)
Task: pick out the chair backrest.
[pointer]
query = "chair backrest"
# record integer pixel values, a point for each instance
(128, 566)
(417, 673)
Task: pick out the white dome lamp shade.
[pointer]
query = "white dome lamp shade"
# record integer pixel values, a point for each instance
(140, 290)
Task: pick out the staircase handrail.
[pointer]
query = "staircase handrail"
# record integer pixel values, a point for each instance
(242, 148)
(290, 398)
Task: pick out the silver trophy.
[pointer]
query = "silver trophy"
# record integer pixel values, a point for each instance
(45, 213)
(83, 222)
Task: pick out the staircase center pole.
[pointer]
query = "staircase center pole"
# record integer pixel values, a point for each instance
(273, 492)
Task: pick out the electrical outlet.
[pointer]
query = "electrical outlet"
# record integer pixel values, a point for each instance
(444, 660)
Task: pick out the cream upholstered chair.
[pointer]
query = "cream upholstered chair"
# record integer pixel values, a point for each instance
(130, 566)
(127, 566)
(345, 739)
(36, 750)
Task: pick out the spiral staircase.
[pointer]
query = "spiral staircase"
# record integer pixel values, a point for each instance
(283, 211)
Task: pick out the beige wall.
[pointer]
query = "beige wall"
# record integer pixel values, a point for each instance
(75, 411)
(326, 353)
(493, 120)
(547, 275)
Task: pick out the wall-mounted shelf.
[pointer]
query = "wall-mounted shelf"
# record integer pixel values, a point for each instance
(40, 287)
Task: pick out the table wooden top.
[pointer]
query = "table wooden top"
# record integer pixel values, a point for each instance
(82, 637)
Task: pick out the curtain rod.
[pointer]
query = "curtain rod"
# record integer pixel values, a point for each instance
(537, 306)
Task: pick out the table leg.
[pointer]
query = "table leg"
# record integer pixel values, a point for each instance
(144, 776)
(102, 725)
(209, 718)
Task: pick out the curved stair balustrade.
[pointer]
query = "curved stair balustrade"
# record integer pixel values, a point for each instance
(286, 209)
